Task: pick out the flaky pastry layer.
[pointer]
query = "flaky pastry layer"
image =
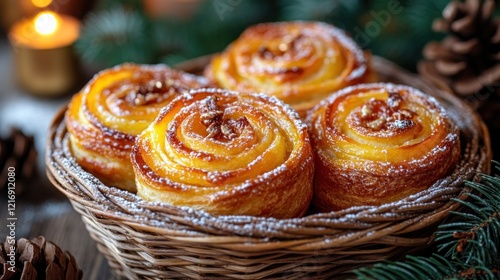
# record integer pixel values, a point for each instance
(298, 62)
(226, 153)
(379, 143)
(104, 119)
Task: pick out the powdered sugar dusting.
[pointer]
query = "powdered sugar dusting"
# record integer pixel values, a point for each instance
(181, 222)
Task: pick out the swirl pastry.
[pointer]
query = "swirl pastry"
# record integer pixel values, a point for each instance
(299, 62)
(228, 154)
(379, 143)
(104, 119)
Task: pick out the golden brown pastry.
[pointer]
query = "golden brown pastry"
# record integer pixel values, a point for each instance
(299, 62)
(378, 143)
(228, 154)
(104, 119)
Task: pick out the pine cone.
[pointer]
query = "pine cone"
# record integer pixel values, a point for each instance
(36, 259)
(467, 60)
(17, 151)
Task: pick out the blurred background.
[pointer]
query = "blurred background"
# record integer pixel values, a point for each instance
(170, 31)
(50, 48)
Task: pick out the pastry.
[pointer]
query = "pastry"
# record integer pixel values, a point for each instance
(299, 62)
(226, 153)
(379, 143)
(104, 119)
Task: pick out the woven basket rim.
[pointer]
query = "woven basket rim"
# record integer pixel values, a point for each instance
(385, 224)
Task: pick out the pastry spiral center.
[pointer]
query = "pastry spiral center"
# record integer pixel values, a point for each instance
(377, 115)
(219, 128)
(155, 91)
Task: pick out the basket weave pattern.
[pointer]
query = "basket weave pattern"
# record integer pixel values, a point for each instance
(148, 240)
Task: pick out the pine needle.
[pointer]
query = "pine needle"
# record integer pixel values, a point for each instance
(113, 37)
(467, 244)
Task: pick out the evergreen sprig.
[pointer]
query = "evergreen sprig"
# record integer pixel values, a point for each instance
(467, 246)
(122, 31)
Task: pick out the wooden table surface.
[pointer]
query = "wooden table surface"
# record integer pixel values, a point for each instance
(41, 209)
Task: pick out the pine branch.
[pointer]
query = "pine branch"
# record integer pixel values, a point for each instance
(113, 37)
(467, 245)
(125, 33)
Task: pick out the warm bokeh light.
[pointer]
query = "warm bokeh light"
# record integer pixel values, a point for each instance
(46, 23)
(41, 3)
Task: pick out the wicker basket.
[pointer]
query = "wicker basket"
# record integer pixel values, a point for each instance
(152, 240)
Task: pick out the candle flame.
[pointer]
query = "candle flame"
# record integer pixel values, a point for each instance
(41, 3)
(46, 23)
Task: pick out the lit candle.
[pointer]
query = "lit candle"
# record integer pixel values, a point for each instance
(44, 58)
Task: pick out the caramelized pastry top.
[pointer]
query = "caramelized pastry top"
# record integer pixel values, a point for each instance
(127, 98)
(377, 143)
(388, 121)
(113, 108)
(219, 150)
(298, 62)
